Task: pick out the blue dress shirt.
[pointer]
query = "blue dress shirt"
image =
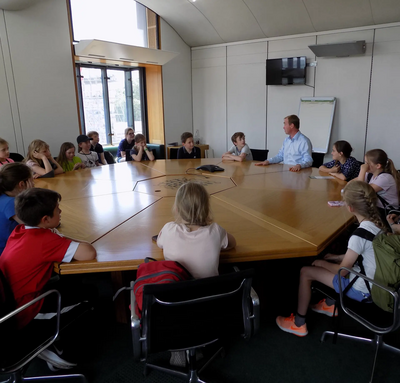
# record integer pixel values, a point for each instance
(296, 150)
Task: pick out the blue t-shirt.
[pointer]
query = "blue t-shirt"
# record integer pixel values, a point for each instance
(7, 224)
(125, 146)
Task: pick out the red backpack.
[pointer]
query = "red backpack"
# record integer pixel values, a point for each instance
(157, 272)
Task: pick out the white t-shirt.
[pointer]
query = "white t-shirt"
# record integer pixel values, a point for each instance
(388, 184)
(197, 250)
(89, 159)
(364, 247)
(236, 152)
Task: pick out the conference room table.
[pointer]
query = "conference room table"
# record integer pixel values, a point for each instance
(272, 212)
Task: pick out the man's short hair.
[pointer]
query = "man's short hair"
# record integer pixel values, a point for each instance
(33, 204)
(92, 133)
(185, 136)
(293, 119)
(236, 136)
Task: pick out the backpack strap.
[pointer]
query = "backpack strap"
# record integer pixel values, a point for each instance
(384, 202)
(362, 233)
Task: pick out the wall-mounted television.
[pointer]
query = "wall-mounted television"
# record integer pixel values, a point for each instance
(287, 71)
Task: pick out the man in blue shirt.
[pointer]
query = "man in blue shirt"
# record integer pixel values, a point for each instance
(296, 149)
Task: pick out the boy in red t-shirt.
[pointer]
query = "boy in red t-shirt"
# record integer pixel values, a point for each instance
(31, 250)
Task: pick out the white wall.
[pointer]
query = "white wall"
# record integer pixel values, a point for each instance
(177, 86)
(40, 74)
(365, 112)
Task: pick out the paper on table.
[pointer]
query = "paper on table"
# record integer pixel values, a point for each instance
(322, 177)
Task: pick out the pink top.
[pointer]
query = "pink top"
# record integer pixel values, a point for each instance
(7, 161)
(388, 184)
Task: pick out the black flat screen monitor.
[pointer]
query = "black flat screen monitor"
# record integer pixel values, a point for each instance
(287, 71)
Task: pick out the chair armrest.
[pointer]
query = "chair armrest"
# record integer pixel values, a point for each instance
(372, 327)
(135, 327)
(43, 346)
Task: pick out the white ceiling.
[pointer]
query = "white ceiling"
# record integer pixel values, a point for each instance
(206, 22)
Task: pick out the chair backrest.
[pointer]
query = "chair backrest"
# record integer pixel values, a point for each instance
(173, 153)
(188, 314)
(318, 159)
(109, 158)
(259, 154)
(16, 157)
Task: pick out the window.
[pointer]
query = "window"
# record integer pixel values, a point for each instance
(111, 100)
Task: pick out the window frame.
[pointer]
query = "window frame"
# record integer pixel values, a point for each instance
(106, 100)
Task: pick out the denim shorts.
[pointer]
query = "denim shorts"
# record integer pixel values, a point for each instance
(352, 293)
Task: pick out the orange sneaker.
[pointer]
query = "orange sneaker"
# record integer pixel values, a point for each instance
(288, 325)
(322, 308)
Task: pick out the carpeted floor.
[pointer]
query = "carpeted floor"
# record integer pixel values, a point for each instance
(103, 348)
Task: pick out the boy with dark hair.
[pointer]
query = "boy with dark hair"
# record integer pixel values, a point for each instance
(188, 150)
(89, 158)
(31, 250)
(240, 151)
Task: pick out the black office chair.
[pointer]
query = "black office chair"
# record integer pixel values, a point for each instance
(372, 317)
(259, 154)
(16, 157)
(109, 158)
(193, 314)
(173, 153)
(20, 346)
(318, 159)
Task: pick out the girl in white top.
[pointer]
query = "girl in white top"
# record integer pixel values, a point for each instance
(360, 199)
(380, 173)
(193, 240)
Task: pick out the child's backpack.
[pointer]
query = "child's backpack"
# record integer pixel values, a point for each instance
(157, 272)
(387, 258)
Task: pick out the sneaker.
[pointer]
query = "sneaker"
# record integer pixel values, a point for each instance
(178, 358)
(322, 308)
(288, 325)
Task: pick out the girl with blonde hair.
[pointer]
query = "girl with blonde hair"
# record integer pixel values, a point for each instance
(193, 239)
(360, 199)
(41, 162)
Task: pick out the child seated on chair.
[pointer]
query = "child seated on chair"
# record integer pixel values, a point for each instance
(96, 147)
(4, 153)
(89, 159)
(240, 151)
(140, 152)
(360, 199)
(27, 261)
(188, 150)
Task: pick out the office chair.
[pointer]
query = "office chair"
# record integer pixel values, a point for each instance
(318, 159)
(259, 154)
(189, 315)
(20, 346)
(16, 157)
(369, 315)
(173, 153)
(109, 158)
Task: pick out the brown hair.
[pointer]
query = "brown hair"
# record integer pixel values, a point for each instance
(343, 147)
(185, 136)
(12, 174)
(192, 205)
(36, 145)
(62, 157)
(33, 204)
(92, 133)
(293, 119)
(236, 135)
(379, 156)
(363, 198)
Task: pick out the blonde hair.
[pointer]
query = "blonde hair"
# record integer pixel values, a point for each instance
(379, 156)
(92, 133)
(36, 145)
(3, 141)
(362, 198)
(192, 205)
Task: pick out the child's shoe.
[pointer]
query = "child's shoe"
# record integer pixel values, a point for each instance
(288, 325)
(322, 308)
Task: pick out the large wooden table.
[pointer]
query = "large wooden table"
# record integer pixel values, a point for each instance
(272, 212)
